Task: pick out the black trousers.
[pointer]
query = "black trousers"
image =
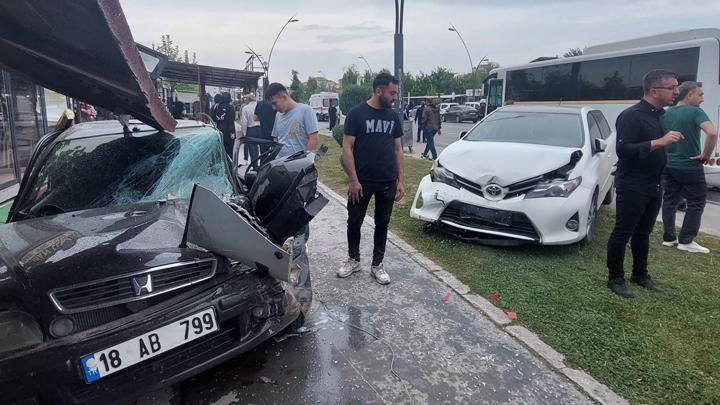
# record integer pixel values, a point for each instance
(635, 216)
(384, 200)
(333, 121)
(679, 184)
(419, 133)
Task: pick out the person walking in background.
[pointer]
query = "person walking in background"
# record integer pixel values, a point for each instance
(372, 156)
(684, 176)
(224, 116)
(418, 120)
(265, 114)
(431, 126)
(237, 145)
(641, 140)
(250, 126)
(296, 125)
(332, 115)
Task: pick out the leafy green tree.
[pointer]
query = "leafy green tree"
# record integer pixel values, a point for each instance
(296, 87)
(311, 87)
(573, 52)
(350, 77)
(353, 95)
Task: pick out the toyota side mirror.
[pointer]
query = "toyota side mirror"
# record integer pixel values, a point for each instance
(463, 133)
(600, 146)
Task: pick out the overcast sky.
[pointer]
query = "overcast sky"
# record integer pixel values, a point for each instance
(332, 34)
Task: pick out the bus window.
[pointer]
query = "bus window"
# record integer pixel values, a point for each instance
(604, 79)
(684, 62)
(494, 99)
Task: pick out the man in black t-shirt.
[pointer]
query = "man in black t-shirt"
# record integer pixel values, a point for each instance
(265, 113)
(373, 159)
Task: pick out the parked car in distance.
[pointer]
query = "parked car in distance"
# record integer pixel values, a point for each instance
(478, 105)
(460, 113)
(444, 106)
(524, 174)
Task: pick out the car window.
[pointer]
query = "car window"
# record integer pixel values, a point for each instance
(116, 170)
(605, 130)
(552, 129)
(593, 127)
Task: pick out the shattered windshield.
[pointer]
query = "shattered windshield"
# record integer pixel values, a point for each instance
(115, 170)
(552, 129)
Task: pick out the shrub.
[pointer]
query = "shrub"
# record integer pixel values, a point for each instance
(353, 95)
(337, 133)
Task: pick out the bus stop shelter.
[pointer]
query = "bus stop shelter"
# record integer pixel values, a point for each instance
(204, 75)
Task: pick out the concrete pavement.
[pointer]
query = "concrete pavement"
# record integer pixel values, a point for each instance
(372, 344)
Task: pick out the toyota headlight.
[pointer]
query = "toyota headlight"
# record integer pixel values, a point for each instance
(17, 330)
(442, 175)
(555, 189)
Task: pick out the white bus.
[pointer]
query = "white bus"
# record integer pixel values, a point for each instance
(609, 76)
(321, 102)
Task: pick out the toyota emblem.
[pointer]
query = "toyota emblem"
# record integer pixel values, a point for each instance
(493, 192)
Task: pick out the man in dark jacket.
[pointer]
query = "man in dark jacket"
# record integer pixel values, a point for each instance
(641, 143)
(332, 116)
(224, 116)
(418, 119)
(430, 123)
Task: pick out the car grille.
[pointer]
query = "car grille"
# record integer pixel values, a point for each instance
(519, 223)
(118, 290)
(513, 190)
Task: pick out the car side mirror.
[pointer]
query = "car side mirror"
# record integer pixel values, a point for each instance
(463, 133)
(599, 146)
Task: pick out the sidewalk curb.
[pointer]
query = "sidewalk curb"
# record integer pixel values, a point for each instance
(585, 382)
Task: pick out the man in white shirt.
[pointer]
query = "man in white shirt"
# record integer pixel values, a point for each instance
(250, 127)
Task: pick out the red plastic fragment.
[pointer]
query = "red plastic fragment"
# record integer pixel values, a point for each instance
(511, 314)
(446, 297)
(494, 297)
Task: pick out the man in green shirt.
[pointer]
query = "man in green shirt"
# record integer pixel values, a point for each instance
(684, 176)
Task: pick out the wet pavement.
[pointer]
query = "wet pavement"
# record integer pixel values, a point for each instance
(371, 344)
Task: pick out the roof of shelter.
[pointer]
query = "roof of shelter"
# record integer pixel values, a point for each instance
(210, 75)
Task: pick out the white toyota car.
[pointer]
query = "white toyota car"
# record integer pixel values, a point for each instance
(524, 174)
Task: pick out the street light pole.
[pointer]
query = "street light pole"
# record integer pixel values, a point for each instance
(263, 63)
(398, 37)
(290, 20)
(472, 66)
(366, 62)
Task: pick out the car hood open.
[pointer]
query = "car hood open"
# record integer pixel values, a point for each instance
(503, 163)
(83, 49)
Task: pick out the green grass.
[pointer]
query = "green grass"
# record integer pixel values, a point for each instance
(656, 349)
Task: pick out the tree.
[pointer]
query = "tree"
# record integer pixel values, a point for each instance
(311, 87)
(296, 87)
(350, 77)
(353, 95)
(186, 57)
(573, 52)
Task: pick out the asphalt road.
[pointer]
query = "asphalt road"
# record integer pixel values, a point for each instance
(372, 344)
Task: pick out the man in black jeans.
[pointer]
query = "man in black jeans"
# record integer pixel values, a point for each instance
(373, 159)
(640, 147)
(684, 176)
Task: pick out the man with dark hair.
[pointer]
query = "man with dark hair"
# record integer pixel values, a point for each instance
(265, 114)
(684, 176)
(296, 125)
(224, 116)
(332, 115)
(373, 160)
(641, 159)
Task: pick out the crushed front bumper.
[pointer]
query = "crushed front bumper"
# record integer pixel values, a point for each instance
(541, 220)
(51, 372)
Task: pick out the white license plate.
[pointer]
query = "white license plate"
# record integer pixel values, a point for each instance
(113, 359)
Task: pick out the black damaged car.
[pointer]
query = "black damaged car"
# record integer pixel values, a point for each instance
(134, 256)
(109, 266)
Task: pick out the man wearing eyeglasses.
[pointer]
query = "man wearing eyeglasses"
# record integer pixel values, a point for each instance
(641, 143)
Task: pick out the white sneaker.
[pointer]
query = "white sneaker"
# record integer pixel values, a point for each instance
(349, 267)
(693, 247)
(671, 243)
(380, 275)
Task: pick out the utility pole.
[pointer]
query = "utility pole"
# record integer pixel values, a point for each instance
(399, 10)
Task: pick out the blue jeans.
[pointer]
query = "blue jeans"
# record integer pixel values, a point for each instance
(430, 145)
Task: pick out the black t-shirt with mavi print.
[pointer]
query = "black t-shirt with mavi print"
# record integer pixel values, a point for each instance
(375, 131)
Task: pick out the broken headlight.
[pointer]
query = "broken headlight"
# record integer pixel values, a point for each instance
(18, 330)
(442, 175)
(555, 189)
